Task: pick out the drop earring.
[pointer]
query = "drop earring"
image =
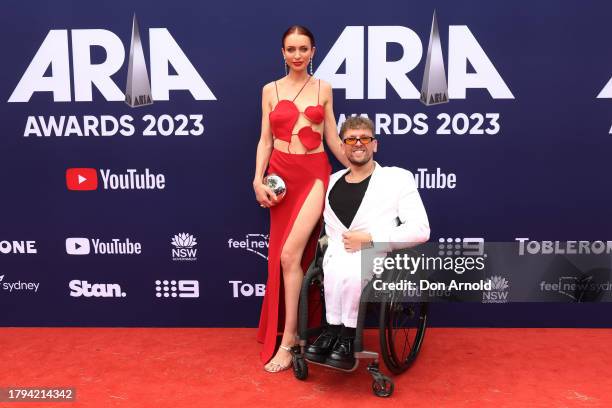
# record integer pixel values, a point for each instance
(311, 70)
(285, 64)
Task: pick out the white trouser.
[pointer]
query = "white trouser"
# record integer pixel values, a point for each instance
(343, 283)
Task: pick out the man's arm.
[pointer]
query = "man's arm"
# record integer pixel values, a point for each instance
(414, 227)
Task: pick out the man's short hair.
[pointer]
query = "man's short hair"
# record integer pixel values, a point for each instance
(357, 122)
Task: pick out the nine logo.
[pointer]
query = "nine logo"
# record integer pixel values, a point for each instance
(173, 289)
(461, 246)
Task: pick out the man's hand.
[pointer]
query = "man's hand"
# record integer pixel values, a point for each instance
(353, 239)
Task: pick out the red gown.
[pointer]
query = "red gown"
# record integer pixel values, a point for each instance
(300, 172)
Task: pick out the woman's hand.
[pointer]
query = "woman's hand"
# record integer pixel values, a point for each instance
(264, 195)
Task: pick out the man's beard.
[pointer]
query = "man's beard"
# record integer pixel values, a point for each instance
(360, 163)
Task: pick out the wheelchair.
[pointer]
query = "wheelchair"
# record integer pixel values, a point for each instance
(401, 327)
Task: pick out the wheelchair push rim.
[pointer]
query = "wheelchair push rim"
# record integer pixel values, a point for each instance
(401, 331)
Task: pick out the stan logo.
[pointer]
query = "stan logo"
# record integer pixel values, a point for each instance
(184, 247)
(498, 292)
(173, 288)
(80, 288)
(255, 243)
(54, 56)
(461, 246)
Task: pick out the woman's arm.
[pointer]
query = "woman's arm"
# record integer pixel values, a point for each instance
(265, 196)
(330, 129)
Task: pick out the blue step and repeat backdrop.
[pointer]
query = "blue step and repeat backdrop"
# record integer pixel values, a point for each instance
(117, 214)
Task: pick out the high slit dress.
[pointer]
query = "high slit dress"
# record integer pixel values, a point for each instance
(300, 173)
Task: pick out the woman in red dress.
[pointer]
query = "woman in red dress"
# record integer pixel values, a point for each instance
(296, 111)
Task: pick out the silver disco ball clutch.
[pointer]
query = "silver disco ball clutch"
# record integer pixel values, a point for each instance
(276, 184)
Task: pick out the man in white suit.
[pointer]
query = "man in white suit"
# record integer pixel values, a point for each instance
(362, 208)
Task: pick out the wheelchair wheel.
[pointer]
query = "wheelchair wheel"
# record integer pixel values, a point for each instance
(401, 330)
(300, 367)
(383, 387)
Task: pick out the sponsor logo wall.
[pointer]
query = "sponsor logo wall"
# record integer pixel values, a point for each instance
(129, 134)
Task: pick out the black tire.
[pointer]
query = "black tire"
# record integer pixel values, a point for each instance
(401, 331)
(300, 368)
(383, 387)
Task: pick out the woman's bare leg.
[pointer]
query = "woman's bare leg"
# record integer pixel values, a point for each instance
(290, 258)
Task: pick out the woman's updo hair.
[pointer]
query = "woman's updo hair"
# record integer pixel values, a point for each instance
(298, 29)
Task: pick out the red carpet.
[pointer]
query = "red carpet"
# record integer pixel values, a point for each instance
(220, 368)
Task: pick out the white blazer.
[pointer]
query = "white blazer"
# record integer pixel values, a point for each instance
(391, 194)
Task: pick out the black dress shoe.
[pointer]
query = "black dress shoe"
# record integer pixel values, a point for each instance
(342, 355)
(322, 346)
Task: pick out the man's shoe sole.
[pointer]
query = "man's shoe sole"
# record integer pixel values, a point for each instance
(342, 364)
(319, 358)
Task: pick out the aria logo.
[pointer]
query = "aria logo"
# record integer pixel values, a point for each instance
(184, 247)
(164, 51)
(498, 292)
(463, 51)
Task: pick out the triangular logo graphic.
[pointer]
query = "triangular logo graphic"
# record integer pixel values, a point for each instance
(434, 89)
(138, 87)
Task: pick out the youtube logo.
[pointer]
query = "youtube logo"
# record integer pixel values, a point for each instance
(81, 179)
(77, 246)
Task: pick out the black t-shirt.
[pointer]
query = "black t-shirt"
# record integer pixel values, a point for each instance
(345, 198)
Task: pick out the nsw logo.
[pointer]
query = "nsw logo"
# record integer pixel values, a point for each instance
(81, 179)
(184, 250)
(498, 292)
